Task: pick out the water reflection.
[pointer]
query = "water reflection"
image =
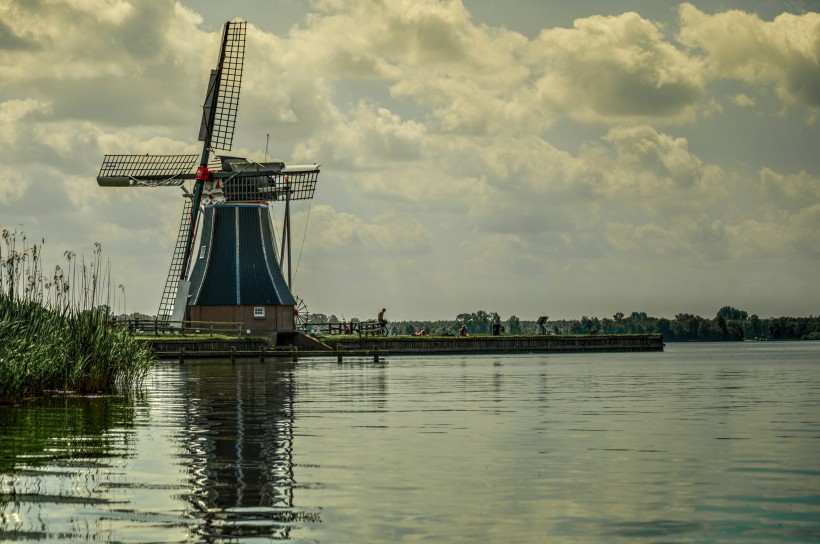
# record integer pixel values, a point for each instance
(699, 443)
(238, 449)
(205, 455)
(58, 456)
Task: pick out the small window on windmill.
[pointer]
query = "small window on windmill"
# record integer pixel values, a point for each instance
(202, 252)
(258, 311)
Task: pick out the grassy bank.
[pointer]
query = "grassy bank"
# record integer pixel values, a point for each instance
(53, 338)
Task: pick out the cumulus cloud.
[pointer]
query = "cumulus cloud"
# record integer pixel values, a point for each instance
(788, 192)
(744, 100)
(340, 231)
(11, 40)
(784, 52)
(427, 52)
(371, 135)
(617, 68)
(641, 162)
(453, 156)
(99, 60)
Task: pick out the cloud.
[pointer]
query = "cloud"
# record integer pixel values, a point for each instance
(98, 60)
(13, 114)
(10, 40)
(641, 162)
(743, 100)
(429, 53)
(789, 193)
(616, 69)
(455, 169)
(784, 52)
(344, 232)
(371, 135)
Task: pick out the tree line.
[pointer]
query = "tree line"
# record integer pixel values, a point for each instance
(729, 324)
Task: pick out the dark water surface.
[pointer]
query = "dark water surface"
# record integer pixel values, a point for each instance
(701, 443)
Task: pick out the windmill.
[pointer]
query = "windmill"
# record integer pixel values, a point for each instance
(236, 274)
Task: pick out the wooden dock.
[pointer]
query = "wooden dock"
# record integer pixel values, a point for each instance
(376, 347)
(505, 344)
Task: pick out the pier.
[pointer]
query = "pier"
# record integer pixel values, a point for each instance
(505, 344)
(376, 347)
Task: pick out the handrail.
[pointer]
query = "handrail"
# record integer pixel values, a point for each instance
(343, 327)
(159, 326)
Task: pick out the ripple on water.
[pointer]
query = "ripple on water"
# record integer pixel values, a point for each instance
(701, 443)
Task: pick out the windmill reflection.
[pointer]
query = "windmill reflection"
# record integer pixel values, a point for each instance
(239, 444)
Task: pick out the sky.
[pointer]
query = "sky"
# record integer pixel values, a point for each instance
(532, 157)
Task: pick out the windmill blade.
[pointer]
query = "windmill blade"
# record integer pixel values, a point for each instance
(145, 170)
(244, 180)
(222, 98)
(300, 180)
(167, 303)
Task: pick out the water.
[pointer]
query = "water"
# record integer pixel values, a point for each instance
(701, 443)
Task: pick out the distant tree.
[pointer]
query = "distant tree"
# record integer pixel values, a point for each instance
(735, 331)
(514, 325)
(728, 312)
(618, 316)
(753, 328)
(476, 322)
(664, 327)
(483, 321)
(776, 329)
(720, 322)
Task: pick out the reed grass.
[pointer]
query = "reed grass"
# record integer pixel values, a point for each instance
(55, 334)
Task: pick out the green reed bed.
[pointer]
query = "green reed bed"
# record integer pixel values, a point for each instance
(55, 334)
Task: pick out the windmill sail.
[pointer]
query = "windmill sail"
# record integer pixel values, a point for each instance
(169, 294)
(218, 116)
(145, 170)
(222, 98)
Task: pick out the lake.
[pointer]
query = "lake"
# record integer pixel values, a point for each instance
(700, 443)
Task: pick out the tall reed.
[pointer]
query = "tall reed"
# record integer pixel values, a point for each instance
(54, 331)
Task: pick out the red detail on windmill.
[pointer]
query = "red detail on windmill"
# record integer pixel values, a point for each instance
(203, 174)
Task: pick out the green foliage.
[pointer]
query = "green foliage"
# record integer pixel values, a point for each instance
(54, 339)
(514, 325)
(730, 324)
(727, 312)
(36, 430)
